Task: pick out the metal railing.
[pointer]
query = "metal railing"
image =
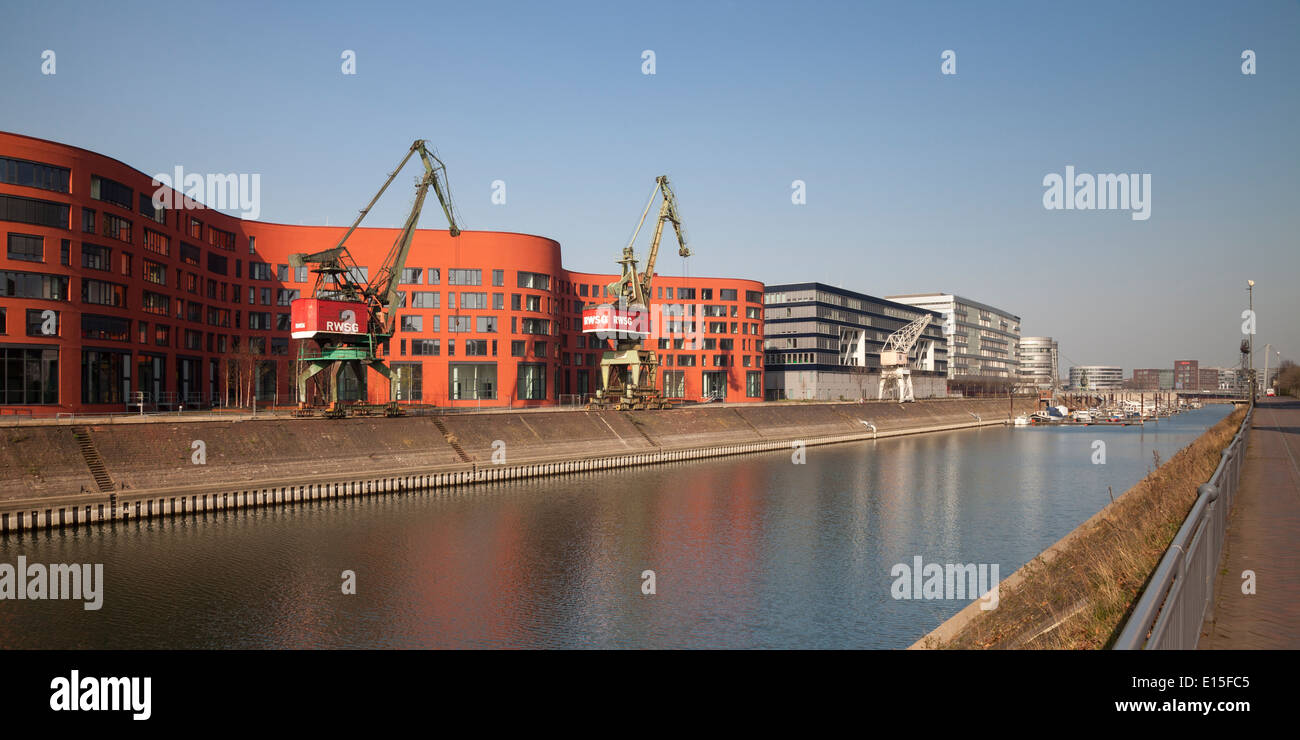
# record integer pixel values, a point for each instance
(1180, 596)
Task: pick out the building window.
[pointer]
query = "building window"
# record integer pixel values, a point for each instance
(116, 227)
(191, 255)
(151, 212)
(29, 376)
(476, 347)
(470, 381)
(157, 243)
(111, 191)
(517, 348)
(88, 220)
(487, 324)
(65, 252)
(534, 280)
(408, 381)
(34, 174)
(260, 320)
(109, 328)
(42, 322)
(33, 285)
(476, 301)
(156, 303)
(674, 384)
(258, 271)
(426, 299)
(412, 323)
(536, 326)
(33, 211)
(464, 277)
(26, 247)
(300, 274)
(103, 293)
(499, 278)
(221, 239)
(95, 257)
(753, 384)
(532, 382)
(426, 346)
(459, 324)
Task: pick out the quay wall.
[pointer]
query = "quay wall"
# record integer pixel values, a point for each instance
(165, 468)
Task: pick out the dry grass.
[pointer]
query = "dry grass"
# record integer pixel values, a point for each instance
(1079, 599)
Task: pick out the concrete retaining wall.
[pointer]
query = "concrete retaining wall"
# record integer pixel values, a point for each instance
(252, 464)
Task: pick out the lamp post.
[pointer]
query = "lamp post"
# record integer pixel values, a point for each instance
(1250, 291)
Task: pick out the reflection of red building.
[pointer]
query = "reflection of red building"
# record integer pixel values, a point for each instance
(102, 296)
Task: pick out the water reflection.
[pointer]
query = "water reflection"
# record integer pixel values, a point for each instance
(748, 551)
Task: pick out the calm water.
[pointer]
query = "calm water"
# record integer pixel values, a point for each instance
(748, 552)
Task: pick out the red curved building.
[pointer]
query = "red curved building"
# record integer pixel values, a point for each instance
(106, 299)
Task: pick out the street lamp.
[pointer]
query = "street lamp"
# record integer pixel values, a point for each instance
(1250, 291)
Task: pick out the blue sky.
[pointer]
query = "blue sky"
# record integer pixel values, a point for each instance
(916, 181)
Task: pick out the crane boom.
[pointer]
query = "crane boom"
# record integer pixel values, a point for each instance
(895, 368)
(903, 340)
(627, 371)
(349, 320)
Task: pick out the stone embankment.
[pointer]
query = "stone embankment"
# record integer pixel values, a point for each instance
(55, 476)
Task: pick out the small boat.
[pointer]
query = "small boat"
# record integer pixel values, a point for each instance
(1022, 421)
(1082, 416)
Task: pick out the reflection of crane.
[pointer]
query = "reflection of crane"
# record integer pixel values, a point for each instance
(895, 368)
(627, 372)
(349, 318)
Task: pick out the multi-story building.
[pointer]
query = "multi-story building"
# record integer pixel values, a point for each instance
(982, 340)
(1037, 363)
(1187, 375)
(1228, 378)
(1147, 379)
(1207, 379)
(824, 342)
(106, 298)
(1096, 377)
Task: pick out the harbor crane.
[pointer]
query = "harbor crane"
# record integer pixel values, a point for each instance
(627, 371)
(349, 317)
(895, 367)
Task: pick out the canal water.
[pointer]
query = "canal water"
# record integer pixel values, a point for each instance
(747, 552)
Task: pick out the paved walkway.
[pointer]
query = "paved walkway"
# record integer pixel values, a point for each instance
(1263, 536)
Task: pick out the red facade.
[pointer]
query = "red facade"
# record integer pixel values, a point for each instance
(106, 299)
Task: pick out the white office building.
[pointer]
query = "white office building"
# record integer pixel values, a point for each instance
(1038, 360)
(982, 340)
(1096, 377)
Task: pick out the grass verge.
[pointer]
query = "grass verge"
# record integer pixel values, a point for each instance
(1078, 598)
